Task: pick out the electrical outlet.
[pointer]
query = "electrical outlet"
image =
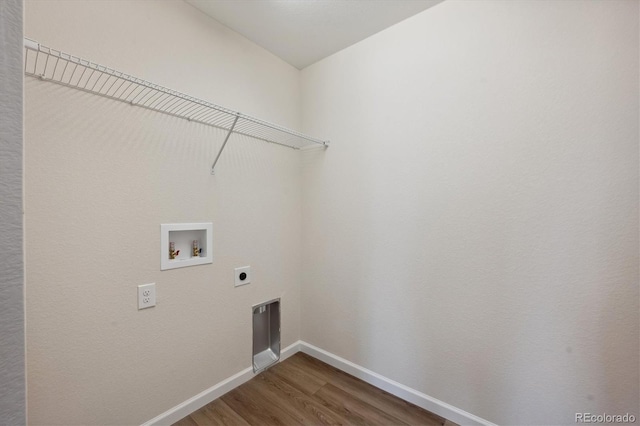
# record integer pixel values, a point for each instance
(242, 275)
(146, 296)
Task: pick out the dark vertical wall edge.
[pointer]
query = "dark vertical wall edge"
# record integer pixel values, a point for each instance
(12, 322)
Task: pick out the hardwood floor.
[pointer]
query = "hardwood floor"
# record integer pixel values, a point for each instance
(305, 391)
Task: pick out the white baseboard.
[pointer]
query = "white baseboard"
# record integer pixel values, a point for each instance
(216, 391)
(401, 391)
(420, 399)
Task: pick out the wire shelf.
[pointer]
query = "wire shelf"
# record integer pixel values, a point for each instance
(71, 71)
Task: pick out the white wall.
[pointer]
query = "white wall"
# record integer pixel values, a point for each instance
(473, 230)
(102, 176)
(12, 365)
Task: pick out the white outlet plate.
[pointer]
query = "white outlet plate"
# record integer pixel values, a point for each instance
(238, 272)
(146, 296)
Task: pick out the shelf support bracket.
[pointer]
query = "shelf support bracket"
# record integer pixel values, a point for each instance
(226, 139)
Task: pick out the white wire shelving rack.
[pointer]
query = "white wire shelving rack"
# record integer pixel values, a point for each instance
(71, 71)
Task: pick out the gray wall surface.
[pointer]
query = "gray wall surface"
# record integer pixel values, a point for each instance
(12, 364)
(477, 211)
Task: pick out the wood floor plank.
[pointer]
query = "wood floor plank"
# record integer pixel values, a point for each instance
(304, 390)
(187, 421)
(353, 409)
(217, 413)
(390, 404)
(314, 367)
(255, 409)
(296, 403)
(298, 377)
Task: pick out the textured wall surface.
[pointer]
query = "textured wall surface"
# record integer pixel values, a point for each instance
(12, 363)
(101, 177)
(473, 230)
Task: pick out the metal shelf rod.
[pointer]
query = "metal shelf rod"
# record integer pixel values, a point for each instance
(226, 139)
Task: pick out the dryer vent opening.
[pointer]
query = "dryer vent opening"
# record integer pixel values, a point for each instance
(266, 334)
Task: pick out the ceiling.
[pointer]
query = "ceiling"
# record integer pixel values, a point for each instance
(302, 32)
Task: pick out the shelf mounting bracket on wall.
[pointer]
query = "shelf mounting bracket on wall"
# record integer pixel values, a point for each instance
(71, 71)
(226, 139)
